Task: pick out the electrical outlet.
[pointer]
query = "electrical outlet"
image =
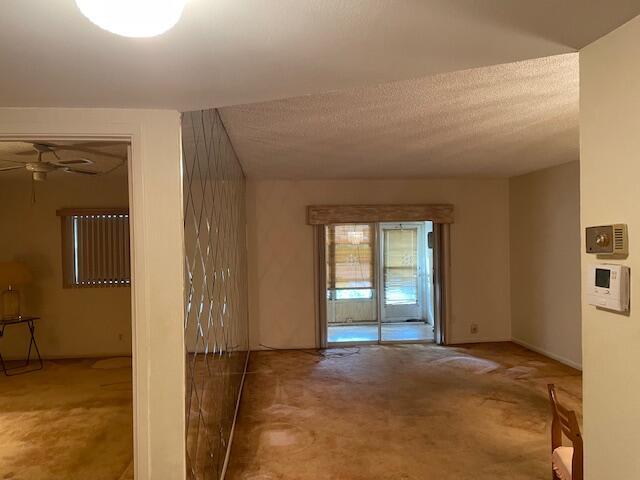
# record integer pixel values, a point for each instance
(474, 328)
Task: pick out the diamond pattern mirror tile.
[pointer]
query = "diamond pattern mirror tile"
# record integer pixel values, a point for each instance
(216, 321)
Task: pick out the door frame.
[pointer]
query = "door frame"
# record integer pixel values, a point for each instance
(157, 275)
(421, 290)
(441, 257)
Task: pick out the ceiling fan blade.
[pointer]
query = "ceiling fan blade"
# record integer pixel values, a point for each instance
(85, 147)
(6, 169)
(74, 161)
(25, 153)
(12, 161)
(38, 148)
(82, 172)
(102, 143)
(99, 153)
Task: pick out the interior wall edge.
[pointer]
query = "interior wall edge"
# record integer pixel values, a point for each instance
(230, 140)
(546, 353)
(609, 170)
(235, 418)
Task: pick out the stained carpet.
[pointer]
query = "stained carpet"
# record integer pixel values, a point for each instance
(72, 421)
(409, 412)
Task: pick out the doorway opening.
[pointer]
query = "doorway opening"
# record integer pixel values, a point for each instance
(379, 283)
(66, 331)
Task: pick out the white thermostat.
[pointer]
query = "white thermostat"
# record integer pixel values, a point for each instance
(609, 287)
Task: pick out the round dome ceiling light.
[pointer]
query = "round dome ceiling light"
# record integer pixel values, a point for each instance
(133, 18)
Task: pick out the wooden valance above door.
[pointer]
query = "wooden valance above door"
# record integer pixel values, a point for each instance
(328, 214)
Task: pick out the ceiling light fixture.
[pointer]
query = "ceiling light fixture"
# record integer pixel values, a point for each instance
(133, 18)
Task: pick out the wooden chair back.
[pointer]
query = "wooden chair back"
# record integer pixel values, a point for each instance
(565, 422)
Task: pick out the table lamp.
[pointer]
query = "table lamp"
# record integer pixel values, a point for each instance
(12, 274)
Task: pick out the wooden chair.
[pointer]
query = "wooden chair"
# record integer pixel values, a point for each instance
(566, 462)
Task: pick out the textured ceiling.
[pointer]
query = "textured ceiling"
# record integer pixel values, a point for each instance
(226, 52)
(500, 121)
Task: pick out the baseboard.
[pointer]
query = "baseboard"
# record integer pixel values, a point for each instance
(235, 417)
(92, 356)
(475, 339)
(558, 358)
(266, 348)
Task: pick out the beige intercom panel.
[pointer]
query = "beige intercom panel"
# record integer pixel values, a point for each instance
(607, 239)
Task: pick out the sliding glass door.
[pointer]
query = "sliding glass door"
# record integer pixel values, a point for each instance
(378, 283)
(401, 283)
(405, 282)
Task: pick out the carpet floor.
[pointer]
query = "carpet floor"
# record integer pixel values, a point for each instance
(403, 412)
(71, 420)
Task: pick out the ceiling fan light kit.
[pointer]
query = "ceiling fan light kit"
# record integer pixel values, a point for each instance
(39, 170)
(133, 18)
(39, 176)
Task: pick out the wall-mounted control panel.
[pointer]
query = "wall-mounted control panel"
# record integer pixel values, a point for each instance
(608, 287)
(607, 239)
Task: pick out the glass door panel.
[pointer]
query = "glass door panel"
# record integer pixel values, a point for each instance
(404, 282)
(400, 267)
(350, 284)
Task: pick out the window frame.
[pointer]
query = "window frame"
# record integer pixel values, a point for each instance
(69, 254)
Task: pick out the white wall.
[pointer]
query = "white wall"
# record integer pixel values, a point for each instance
(544, 222)
(83, 322)
(281, 258)
(610, 173)
(158, 265)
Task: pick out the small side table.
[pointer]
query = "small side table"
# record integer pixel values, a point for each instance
(29, 322)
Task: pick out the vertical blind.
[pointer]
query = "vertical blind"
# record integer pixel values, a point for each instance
(95, 247)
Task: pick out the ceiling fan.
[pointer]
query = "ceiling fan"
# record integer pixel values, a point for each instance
(40, 167)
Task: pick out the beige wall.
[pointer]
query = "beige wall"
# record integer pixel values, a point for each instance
(281, 263)
(158, 265)
(544, 222)
(85, 322)
(610, 171)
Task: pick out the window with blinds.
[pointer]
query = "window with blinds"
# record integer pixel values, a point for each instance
(95, 247)
(350, 261)
(401, 281)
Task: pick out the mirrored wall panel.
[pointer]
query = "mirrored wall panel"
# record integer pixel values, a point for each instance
(216, 321)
